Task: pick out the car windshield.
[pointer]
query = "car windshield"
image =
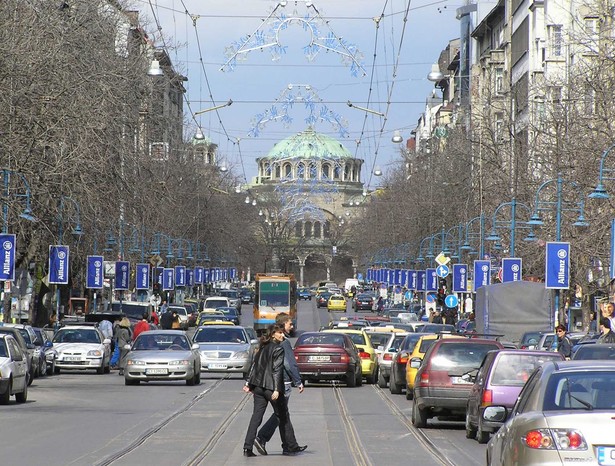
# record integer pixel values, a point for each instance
(409, 342)
(215, 303)
(26, 335)
(179, 310)
(357, 338)
(229, 294)
(467, 355)
(363, 297)
(379, 339)
(530, 338)
(320, 339)
(160, 342)
(228, 310)
(70, 335)
(426, 344)
(595, 352)
(3, 351)
(513, 370)
(274, 294)
(437, 328)
(220, 335)
(582, 389)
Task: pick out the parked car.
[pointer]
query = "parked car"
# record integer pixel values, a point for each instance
(304, 293)
(438, 328)
(498, 382)
(13, 371)
(39, 362)
(328, 356)
(529, 340)
(322, 299)
(397, 373)
(595, 351)
(363, 302)
(564, 415)
(224, 349)
(163, 355)
(442, 382)
(44, 342)
(26, 348)
(336, 302)
(367, 353)
(82, 347)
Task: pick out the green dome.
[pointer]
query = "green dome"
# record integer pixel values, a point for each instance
(309, 145)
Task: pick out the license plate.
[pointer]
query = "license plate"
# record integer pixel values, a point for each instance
(72, 358)
(217, 366)
(156, 371)
(606, 456)
(460, 381)
(319, 358)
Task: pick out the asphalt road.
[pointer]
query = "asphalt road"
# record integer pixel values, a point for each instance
(89, 419)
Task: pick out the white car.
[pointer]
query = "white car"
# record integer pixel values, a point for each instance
(13, 371)
(82, 347)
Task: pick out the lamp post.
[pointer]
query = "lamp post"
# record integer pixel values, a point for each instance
(560, 205)
(469, 235)
(600, 191)
(495, 223)
(77, 232)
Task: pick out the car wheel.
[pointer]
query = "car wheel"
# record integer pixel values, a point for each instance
(371, 379)
(190, 381)
(51, 369)
(23, 396)
(351, 379)
(394, 387)
(382, 382)
(419, 416)
(470, 429)
(101, 369)
(108, 369)
(31, 377)
(482, 436)
(409, 394)
(42, 370)
(56, 370)
(197, 376)
(6, 396)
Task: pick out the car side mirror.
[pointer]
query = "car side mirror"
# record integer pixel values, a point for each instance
(48, 344)
(107, 341)
(30, 346)
(495, 414)
(415, 363)
(254, 341)
(195, 346)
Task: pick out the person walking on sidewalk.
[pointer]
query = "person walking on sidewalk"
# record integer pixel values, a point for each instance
(266, 382)
(292, 377)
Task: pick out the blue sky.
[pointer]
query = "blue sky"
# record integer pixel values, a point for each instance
(197, 43)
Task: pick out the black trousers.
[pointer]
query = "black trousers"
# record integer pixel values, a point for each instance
(266, 432)
(262, 398)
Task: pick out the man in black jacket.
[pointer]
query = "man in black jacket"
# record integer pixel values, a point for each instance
(292, 377)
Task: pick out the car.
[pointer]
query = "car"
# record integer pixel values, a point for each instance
(406, 317)
(82, 347)
(595, 351)
(247, 296)
(46, 345)
(13, 371)
(399, 361)
(218, 322)
(304, 293)
(438, 328)
(182, 314)
(328, 356)
(26, 348)
(336, 302)
(363, 302)
(214, 302)
(386, 355)
(322, 299)
(38, 361)
(548, 340)
(224, 349)
(442, 384)
(529, 340)
(193, 312)
(163, 355)
(346, 323)
(416, 357)
(230, 313)
(564, 415)
(367, 353)
(498, 382)
(207, 316)
(234, 298)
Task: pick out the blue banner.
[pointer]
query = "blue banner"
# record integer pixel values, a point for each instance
(7, 273)
(206, 275)
(420, 280)
(378, 275)
(142, 277)
(511, 269)
(122, 275)
(157, 275)
(431, 280)
(482, 274)
(412, 280)
(180, 276)
(404, 278)
(198, 275)
(369, 275)
(398, 273)
(460, 278)
(95, 274)
(189, 277)
(557, 266)
(58, 265)
(233, 274)
(167, 279)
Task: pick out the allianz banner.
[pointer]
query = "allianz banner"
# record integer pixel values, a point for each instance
(142, 279)
(482, 273)
(511, 269)
(7, 272)
(58, 265)
(557, 266)
(95, 273)
(460, 278)
(122, 275)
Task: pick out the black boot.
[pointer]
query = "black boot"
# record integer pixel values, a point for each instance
(248, 452)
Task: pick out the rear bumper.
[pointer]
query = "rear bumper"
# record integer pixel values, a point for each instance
(442, 399)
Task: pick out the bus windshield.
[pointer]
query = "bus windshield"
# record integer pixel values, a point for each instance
(274, 294)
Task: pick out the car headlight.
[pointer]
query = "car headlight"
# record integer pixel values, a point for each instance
(240, 355)
(179, 362)
(135, 362)
(95, 353)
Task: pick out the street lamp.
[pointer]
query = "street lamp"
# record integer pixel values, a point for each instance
(469, 235)
(600, 191)
(493, 236)
(27, 211)
(77, 230)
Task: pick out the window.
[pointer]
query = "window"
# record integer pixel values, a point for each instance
(288, 171)
(336, 172)
(590, 100)
(591, 28)
(159, 151)
(317, 230)
(498, 127)
(308, 229)
(298, 230)
(313, 171)
(499, 80)
(327, 229)
(267, 169)
(326, 172)
(301, 171)
(555, 94)
(556, 40)
(277, 170)
(347, 173)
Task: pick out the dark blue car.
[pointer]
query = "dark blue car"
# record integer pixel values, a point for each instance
(304, 293)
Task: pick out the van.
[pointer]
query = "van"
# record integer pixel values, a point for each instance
(214, 302)
(350, 282)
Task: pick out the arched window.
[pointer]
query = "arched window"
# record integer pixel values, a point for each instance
(308, 229)
(347, 172)
(277, 170)
(298, 230)
(288, 171)
(317, 230)
(301, 171)
(267, 170)
(327, 229)
(326, 172)
(336, 172)
(313, 171)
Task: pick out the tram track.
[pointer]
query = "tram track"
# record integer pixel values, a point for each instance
(143, 437)
(355, 445)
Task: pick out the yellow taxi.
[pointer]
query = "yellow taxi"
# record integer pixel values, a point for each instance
(367, 353)
(217, 322)
(336, 302)
(417, 354)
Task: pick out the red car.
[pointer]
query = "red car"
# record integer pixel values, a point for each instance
(328, 356)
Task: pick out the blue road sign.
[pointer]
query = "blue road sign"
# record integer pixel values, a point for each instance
(451, 301)
(557, 266)
(442, 271)
(430, 298)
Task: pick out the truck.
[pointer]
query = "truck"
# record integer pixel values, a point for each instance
(511, 309)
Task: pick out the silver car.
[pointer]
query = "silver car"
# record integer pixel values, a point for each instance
(13, 371)
(564, 415)
(224, 348)
(163, 355)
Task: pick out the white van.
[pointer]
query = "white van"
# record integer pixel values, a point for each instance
(350, 282)
(214, 302)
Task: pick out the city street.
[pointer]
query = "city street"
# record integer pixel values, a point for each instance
(89, 419)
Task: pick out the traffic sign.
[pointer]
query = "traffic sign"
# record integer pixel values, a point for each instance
(501, 274)
(442, 259)
(442, 271)
(430, 298)
(155, 260)
(451, 301)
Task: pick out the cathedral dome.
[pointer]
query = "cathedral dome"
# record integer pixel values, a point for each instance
(309, 145)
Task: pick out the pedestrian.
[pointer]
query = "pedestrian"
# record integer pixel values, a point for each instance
(175, 324)
(564, 345)
(437, 317)
(292, 377)
(266, 382)
(607, 311)
(154, 318)
(124, 340)
(166, 320)
(106, 327)
(592, 322)
(607, 334)
(141, 326)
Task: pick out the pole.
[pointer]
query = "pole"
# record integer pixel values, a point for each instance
(513, 208)
(5, 229)
(558, 235)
